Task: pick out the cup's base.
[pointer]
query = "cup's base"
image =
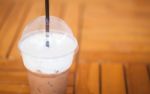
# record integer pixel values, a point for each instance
(48, 84)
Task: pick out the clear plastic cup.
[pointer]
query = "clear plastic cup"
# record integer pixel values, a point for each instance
(47, 67)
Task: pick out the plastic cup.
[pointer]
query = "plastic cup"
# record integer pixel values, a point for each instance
(47, 67)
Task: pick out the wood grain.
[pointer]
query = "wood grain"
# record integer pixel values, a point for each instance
(71, 17)
(114, 57)
(7, 38)
(14, 89)
(69, 90)
(87, 81)
(13, 77)
(116, 28)
(11, 65)
(138, 79)
(5, 11)
(113, 79)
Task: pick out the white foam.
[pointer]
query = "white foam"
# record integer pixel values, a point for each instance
(55, 59)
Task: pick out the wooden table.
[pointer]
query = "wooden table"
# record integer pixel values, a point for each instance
(114, 39)
(90, 78)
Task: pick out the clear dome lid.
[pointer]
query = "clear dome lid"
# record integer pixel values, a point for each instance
(61, 38)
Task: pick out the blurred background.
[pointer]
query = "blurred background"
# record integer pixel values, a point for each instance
(109, 31)
(115, 33)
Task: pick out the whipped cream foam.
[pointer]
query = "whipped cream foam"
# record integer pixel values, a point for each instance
(47, 60)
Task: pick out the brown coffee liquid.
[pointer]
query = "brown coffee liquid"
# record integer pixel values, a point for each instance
(48, 84)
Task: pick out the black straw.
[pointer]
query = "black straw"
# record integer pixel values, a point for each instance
(47, 21)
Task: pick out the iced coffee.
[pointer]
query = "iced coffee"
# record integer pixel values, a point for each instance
(47, 67)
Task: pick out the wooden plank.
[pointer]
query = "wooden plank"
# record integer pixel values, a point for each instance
(112, 56)
(5, 11)
(55, 8)
(113, 79)
(71, 17)
(7, 38)
(137, 79)
(87, 81)
(117, 3)
(34, 12)
(114, 28)
(13, 77)
(73, 66)
(69, 90)
(148, 70)
(70, 87)
(12, 65)
(71, 79)
(14, 89)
